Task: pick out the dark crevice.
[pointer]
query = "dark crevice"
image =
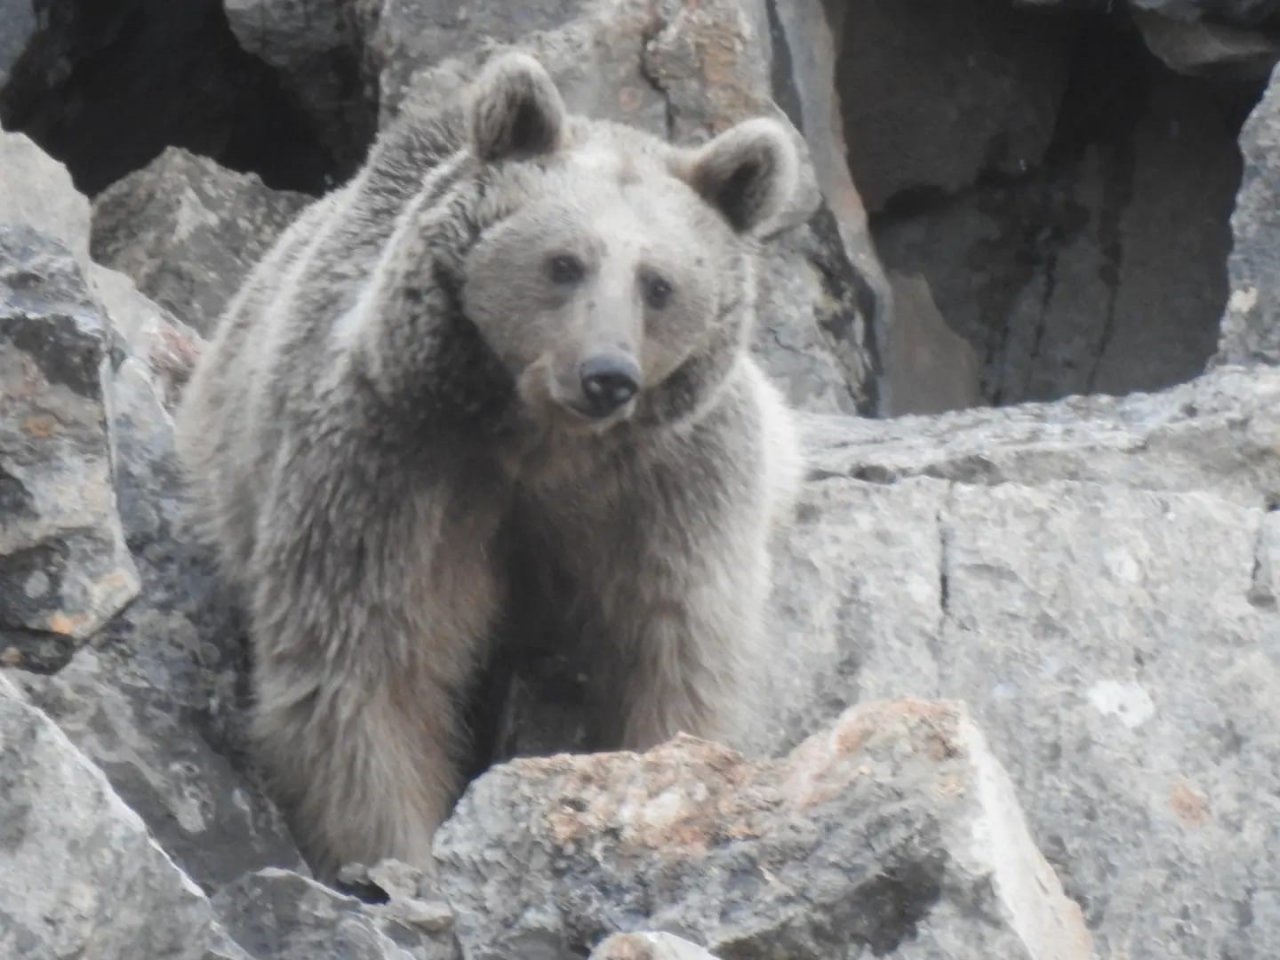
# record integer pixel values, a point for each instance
(108, 84)
(1097, 266)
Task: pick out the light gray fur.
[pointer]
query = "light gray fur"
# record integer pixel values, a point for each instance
(382, 447)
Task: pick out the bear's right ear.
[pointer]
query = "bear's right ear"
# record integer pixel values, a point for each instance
(515, 108)
(748, 172)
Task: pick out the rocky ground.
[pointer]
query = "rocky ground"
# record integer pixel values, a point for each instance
(1025, 696)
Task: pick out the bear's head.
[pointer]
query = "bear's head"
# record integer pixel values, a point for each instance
(613, 274)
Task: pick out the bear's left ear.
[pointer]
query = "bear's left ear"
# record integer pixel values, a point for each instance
(747, 173)
(515, 108)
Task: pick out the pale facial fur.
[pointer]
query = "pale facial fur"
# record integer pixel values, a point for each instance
(609, 256)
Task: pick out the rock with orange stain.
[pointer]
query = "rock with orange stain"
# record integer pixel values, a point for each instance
(64, 566)
(894, 833)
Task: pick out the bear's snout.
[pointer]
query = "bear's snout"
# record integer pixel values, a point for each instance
(608, 380)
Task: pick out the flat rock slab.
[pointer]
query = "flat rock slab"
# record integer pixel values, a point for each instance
(894, 833)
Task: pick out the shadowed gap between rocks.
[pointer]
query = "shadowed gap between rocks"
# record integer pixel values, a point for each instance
(105, 85)
(1062, 225)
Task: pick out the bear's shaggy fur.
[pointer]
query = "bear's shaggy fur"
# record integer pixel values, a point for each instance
(402, 399)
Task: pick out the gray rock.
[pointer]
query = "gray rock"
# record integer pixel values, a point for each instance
(1247, 12)
(1207, 48)
(1096, 579)
(19, 19)
(895, 833)
(648, 946)
(1251, 327)
(64, 566)
(403, 37)
(808, 36)
(79, 874)
(934, 369)
(278, 915)
(38, 191)
(188, 231)
(160, 704)
(1219, 433)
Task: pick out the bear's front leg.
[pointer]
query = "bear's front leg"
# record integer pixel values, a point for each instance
(367, 629)
(687, 629)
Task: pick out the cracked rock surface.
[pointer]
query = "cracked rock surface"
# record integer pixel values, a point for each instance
(1096, 580)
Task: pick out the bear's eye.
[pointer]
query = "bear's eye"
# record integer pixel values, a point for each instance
(565, 268)
(657, 290)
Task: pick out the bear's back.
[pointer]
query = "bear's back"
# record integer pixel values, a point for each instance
(273, 348)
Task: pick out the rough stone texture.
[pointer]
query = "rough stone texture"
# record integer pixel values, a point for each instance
(895, 833)
(1084, 277)
(1096, 580)
(37, 191)
(79, 875)
(403, 37)
(187, 231)
(159, 704)
(808, 35)
(64, 566)
(1219, 432)
(1251, 327)
(648, 946)
(278, 915)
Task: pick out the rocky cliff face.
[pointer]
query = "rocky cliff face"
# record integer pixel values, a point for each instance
(1027, 660)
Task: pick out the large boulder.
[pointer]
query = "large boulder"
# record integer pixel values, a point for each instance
(79, 874)
(893, 834)
(188, 231)
(1096, 579)
(160, 702)
(1251, 327)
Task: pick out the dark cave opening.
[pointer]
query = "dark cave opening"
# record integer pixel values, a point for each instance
(106, 85)
(1051, 201)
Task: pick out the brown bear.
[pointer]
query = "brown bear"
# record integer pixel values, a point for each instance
(515, 332)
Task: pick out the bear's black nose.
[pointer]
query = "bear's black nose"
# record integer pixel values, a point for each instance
(608, 381)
